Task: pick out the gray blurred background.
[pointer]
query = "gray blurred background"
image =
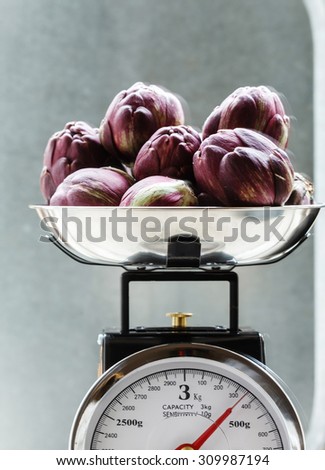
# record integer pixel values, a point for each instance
(66, 60)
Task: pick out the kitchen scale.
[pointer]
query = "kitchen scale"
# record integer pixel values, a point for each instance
(182, 387)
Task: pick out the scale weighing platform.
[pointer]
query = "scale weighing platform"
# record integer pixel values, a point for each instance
(182, 387)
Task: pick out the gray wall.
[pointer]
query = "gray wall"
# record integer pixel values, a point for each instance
(65, 60)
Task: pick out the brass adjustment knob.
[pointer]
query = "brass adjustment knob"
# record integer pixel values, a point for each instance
(179, 319)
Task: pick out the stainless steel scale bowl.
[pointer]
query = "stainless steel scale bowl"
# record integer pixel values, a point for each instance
(141, 236)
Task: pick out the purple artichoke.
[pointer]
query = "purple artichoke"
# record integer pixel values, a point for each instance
(92, 187)
(168, 152)
(159, 191)
(256, 108)
(302, 192)
(241, 167)
(76, 146)
(134, 115)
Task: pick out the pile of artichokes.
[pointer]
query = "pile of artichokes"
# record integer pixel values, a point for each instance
(144, 154)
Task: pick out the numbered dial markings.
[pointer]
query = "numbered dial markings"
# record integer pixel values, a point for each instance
(163, 408)
(155, 400)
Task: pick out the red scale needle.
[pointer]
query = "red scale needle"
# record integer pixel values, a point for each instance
(198, 443)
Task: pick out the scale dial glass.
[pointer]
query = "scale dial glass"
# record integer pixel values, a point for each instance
(187, 397)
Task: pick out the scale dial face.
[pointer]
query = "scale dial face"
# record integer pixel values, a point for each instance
(187, 397)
